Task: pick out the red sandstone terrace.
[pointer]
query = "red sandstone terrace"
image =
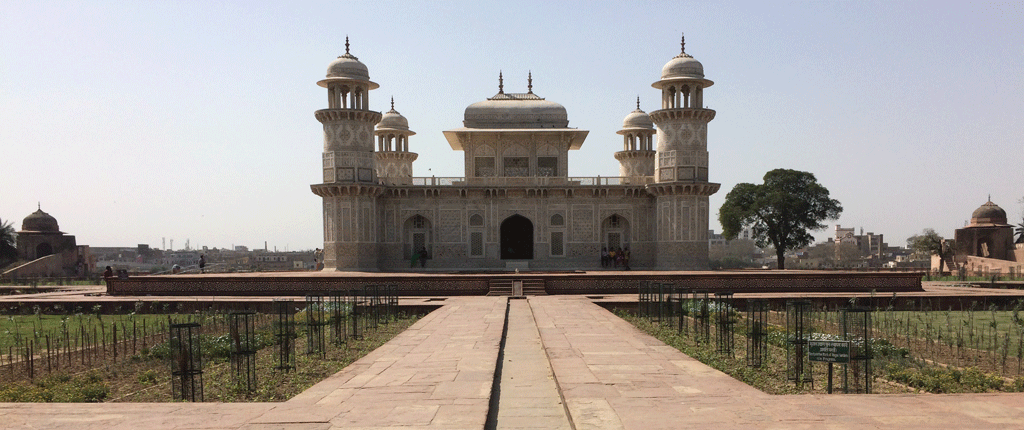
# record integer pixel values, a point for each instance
(554, 283)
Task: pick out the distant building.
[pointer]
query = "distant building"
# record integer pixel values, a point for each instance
(49, 251)
(985, 246)
(869, 245)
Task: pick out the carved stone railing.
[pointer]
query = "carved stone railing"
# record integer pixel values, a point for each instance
(516, 181)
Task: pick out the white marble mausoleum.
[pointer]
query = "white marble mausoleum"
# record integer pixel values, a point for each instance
(517, 205)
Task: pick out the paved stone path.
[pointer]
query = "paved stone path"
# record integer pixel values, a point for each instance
(529, 396)
(439, 374)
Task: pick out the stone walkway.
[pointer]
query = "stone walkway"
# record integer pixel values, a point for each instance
(439, 374)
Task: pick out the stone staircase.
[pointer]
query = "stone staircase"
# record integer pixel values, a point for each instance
(503, 287)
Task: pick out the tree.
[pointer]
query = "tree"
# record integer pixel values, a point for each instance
(930, 243)
(781, 212)
(8, 250)
(1019, 229)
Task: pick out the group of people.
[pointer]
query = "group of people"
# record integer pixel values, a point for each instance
(421, 256)
(615, 257)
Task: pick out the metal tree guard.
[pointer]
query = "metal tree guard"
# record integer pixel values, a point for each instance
(643, 301)
(243, 348)
(370, 299)
(798, 366)
(857, 330)
(284, 332)
(683, 310)
(390, 303)
(186, 362)
(725, 322)
(340, 312)
(357, 313)
(757, 332)
(701, 317)
(316, 325)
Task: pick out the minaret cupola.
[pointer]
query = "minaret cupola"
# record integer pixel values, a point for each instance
(637, 156)
(394, 161)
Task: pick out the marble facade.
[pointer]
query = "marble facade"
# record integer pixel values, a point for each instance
(516, 206)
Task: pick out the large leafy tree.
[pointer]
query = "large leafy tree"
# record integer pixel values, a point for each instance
(930, 243)
(781, 212)
(8, 250)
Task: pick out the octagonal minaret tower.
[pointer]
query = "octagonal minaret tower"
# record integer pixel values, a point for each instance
(394, 161)
(681, 166)
(350, 185)
(636, 159)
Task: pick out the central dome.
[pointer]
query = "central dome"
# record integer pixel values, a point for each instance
(516, 111)
(40, 221)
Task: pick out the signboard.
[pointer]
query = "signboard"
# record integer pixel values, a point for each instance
(828, 351)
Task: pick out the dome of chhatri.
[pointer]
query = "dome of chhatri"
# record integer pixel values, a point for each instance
(392, 120)
(40, 221)
(347, 66)
(638, 119)
(682, 66)
(988, 215)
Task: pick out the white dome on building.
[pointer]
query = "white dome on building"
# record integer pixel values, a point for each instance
(638, 119)
(516, 110)
(348, 67)
(682, 66)
(392, 120)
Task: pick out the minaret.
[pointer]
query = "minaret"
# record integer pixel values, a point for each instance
(394, 161)
(636, 159)
(681, 166)
(350, 185)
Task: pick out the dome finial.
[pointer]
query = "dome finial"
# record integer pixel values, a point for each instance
(501, 83)
(637, 102)
(392, 102)
(346, 44)
(682, 44)
(529, 82)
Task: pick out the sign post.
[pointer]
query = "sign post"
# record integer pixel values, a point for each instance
(829, 351)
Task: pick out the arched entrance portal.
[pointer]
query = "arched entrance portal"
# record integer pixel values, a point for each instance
(43, 249)
(516, 238)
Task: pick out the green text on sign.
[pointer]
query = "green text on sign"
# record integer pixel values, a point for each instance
(829, 351)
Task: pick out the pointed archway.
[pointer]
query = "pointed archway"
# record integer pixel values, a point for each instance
(43, 249)
(516, 238)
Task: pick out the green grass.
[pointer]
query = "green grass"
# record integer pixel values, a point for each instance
(968, 325)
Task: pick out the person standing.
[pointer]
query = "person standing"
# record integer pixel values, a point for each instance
(604, 257)
(202, 264)
(625, 258)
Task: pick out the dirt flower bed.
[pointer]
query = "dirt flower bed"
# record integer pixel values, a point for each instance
(146, 376)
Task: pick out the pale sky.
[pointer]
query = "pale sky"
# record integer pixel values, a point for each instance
(131, 122)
